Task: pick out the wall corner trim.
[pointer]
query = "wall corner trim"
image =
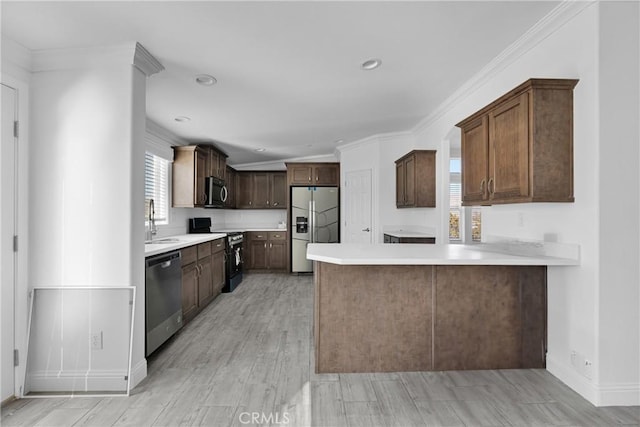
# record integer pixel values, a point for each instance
(146, 62)
(96, 57)
(138, 373)
(548, 25)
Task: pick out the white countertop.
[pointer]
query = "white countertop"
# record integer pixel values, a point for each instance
(243, 229)
(408, 233)
(423, 254)
(184, 240)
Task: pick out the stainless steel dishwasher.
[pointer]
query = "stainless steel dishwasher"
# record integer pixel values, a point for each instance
(163, 298)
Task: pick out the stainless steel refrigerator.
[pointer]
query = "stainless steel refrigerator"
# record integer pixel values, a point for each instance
(315, 218)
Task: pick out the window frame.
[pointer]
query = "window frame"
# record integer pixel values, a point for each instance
(164, 217)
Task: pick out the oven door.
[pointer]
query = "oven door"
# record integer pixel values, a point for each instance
(234, 259)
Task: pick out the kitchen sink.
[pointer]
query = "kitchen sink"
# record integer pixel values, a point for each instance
(162, 241)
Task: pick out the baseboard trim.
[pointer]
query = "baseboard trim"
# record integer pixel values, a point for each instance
(598, 395)
(138, 373)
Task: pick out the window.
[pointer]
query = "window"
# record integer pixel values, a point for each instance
(458, 215)
(156, 187)
(455, 198)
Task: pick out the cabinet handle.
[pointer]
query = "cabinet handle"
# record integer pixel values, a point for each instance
(249, 202)
(265, 245)
(275, 203)
(267, 203)
(270, 245)
(482, 186)
(489, 186)
(309, 178)
(316, 178)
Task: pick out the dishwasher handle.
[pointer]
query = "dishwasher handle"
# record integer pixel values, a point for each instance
(165, 260)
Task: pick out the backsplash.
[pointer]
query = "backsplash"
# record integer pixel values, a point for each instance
(221, 219)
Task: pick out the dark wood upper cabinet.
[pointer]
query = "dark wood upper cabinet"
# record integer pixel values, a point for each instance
(261, 190)
(191, 165)
(416, 180)
(217, 165)
(230, 182)
(327, 174)
(188, 178)
(519, 148)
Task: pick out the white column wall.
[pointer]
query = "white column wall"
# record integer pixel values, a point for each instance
(86, 182)
(619, 292)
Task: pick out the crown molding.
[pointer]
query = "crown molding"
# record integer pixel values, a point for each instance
(164, 134)
(379, 137)
(308, 159)
(16, 59)
(548, 25)
(95, 57)
(146, 62)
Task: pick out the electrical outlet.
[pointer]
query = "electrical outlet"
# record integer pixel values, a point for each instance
(96, 341)
(587, 369)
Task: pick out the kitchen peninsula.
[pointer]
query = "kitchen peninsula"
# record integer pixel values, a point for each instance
(425, 307)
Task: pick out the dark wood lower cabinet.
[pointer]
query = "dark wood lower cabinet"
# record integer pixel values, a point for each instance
(267, 250)
(203, 276)
(374, 318)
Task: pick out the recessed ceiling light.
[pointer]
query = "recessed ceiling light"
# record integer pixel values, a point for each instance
(182, 119)
(206, 80)
(260, 150)
(371, 64)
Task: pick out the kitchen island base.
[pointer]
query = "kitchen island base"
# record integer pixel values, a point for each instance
(392, 318)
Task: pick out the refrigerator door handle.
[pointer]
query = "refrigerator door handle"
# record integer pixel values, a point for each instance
(311, 221)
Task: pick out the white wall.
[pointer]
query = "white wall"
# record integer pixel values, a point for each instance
(619, 135)
(592, 308)
(86, 177)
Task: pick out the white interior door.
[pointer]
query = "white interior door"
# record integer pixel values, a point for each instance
(7, 231)
(358, 215)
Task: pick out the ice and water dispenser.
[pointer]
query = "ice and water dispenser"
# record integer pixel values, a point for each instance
(302, 224)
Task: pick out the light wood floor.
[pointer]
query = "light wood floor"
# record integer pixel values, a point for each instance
(247, 360)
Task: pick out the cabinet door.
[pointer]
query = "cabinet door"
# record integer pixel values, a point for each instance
(509, 149)
(400, 197)
(301, 174)
(277, 254)
(222, 166)
(205, 282)
(189, 291)
(475, 155)
(212, 162)
(278, 190)
(326, 174)
(230, 181)
(260, 191)
(410, 181)
(258, 256)
(201, 163)
(218, 272)
(244, 187)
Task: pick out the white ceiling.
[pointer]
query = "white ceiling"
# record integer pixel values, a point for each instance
(289, 77)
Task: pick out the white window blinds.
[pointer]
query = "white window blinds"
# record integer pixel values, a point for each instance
(455, 198)
(156, 187)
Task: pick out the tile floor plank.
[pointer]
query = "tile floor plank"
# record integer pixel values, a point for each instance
(252, 351)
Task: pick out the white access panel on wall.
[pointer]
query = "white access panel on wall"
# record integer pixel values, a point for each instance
(79, 341)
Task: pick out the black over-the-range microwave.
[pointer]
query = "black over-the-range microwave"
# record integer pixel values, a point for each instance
(216, 192)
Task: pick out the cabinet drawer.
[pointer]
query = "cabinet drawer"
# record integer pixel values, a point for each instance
(258, 235)
(277, 235)
(204, 250)
(189, 255)
(217, 246)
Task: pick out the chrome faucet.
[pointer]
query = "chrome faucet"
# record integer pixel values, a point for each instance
(152, 230)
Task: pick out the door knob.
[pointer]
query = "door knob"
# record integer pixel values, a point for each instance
(366, 229)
